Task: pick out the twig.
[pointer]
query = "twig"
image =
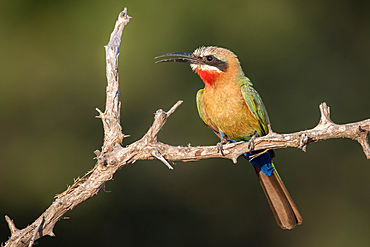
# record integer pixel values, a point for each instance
(111, 117)
(12, 227)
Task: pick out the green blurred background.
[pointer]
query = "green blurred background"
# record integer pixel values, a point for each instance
(297, 53)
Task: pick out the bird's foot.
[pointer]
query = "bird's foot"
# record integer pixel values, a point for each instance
(220, 146)
(224, 140)
(251, 141)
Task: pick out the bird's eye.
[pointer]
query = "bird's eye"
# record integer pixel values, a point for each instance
(209, 58)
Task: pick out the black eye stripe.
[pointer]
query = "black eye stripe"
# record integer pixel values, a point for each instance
(215, 62)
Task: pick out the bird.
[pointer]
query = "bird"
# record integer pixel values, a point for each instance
(231, 107)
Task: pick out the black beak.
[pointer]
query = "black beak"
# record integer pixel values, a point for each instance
(185, 57)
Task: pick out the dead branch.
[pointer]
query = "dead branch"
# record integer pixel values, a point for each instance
(113, 156)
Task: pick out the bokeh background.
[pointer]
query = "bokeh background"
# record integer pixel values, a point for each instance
(297, 53)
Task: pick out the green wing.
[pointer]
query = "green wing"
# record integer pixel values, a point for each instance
(256, 106)
(202, 114)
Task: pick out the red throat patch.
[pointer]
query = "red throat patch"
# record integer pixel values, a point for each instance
(208, 76)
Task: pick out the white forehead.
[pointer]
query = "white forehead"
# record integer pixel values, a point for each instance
(205, 51)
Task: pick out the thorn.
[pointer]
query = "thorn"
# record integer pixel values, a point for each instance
(100, 113)
(159, 156)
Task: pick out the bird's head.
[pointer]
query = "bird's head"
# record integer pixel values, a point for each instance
(210, 63)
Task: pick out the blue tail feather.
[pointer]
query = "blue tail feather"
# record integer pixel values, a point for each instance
(262, 161)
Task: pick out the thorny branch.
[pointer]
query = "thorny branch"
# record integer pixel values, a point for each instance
(113, 156)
